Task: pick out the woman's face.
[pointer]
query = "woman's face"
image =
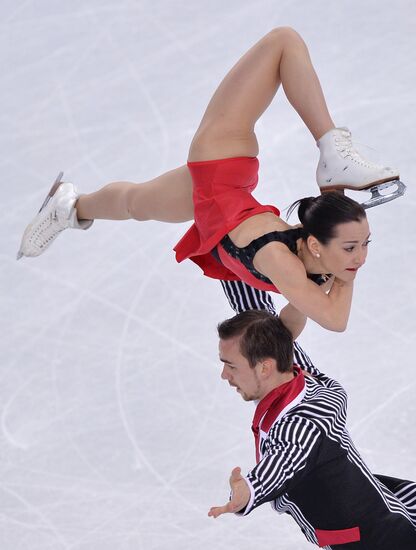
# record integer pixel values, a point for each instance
(347, 251)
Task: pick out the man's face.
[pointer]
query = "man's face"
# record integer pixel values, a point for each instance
(238, 372)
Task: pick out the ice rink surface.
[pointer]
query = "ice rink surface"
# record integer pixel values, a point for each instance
(116, 429)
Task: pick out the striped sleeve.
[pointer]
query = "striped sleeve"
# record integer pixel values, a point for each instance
(243, 297)
(290, 448)
(404, 491)
(407, 495)
(304, 361)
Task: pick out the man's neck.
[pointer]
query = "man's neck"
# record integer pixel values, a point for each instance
(279, 379)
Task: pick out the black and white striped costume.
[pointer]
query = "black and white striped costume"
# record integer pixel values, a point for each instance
(309, 468)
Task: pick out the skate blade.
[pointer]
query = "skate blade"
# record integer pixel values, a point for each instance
(378, 198)
(366, 187)
(52, 190)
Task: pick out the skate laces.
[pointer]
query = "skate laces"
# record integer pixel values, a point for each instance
(54, 218)
(344, 146)
(47, 230)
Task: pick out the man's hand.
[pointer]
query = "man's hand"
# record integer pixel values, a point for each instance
(240, 496)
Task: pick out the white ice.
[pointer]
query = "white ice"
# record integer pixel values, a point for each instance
(116, 429)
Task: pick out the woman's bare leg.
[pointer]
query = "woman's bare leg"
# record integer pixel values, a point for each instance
(226, 129)
(281, 57)
(167, 198)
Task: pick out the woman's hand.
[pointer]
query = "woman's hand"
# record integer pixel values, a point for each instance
(327, 285)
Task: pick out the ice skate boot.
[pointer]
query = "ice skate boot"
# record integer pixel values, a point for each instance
(56, 214)
(342, 167)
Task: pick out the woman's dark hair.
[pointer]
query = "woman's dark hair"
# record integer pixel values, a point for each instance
(320, 215)
(263, 336)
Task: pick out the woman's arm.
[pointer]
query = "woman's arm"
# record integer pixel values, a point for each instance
(293, 319)
(288, 274)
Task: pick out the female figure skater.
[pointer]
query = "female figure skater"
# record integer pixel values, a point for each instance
(234, 237)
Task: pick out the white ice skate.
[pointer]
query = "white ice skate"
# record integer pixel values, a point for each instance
(342, 167)
(56, 214)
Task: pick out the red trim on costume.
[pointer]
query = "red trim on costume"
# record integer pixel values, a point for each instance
(273, 404)
(243, 274)
(219, 161)
(340, 536)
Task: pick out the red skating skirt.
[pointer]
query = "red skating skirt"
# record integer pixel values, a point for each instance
(222, 200)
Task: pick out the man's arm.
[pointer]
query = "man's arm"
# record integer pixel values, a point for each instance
(292, 448)
(243, 297)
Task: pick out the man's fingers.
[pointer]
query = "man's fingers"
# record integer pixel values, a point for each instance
(235, 474)
(216, 511)
(228, 508)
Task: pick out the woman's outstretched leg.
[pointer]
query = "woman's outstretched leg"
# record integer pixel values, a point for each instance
(167, 198)
(280, 57)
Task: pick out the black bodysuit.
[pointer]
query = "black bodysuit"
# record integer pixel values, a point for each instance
(246, 254)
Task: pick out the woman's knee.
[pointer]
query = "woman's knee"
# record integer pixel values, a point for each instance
(285, 35)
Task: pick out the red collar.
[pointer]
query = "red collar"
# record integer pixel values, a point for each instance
(269, 408)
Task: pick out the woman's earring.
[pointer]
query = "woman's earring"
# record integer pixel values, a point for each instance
(318, 255)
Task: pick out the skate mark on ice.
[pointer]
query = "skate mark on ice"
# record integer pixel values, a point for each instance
(46, 523)
(140, 459)
(136, 77)
(362, 423)
(83, 293)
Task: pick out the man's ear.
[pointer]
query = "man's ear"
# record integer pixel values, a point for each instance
(267, 367)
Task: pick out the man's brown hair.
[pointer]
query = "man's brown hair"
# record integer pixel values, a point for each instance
(262, 336)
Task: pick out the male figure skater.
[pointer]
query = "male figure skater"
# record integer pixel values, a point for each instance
(307, 465)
